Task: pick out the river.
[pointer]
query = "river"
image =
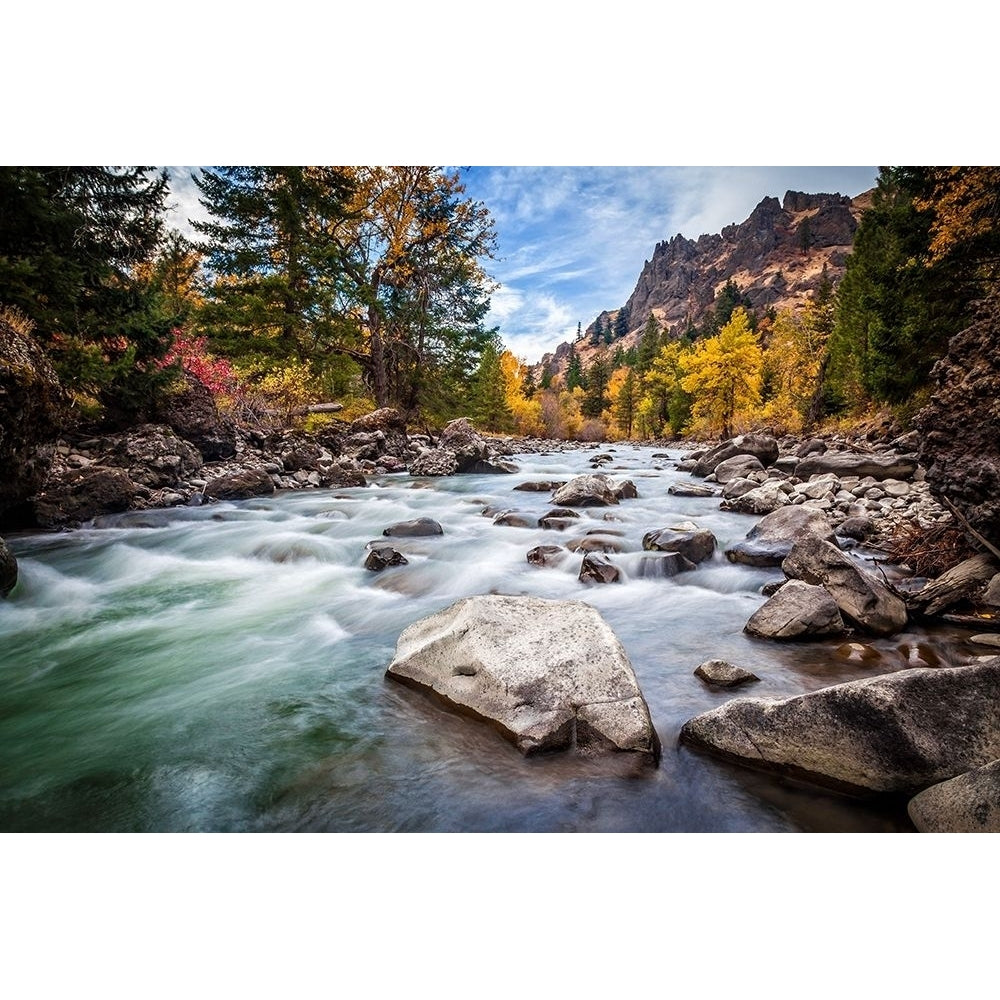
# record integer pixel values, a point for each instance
(222, 668)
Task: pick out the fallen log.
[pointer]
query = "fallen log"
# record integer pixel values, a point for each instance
(302, 411)
(958, 583)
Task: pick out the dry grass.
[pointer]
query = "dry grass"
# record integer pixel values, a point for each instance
(929, 552)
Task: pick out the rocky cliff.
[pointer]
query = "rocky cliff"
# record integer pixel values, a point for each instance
(776, 257)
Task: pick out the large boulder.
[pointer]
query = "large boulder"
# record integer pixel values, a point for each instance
(545, 673)
(417, 528)
(694, 543)
(764, 499)
(737, 467)
(762, 446)
(240, 485)
(850, 463)
(797, 611)
(32, 404)
(472, 452)
(8, 569)
(897, 732)
(79, 495)
(969, 803)
(190, 411)
(960, 427)
(597, 569)
(863, 600)
(434, 462)
(772, 537)
(586, 491)
(152, 454)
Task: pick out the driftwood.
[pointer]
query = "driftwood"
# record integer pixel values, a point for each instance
(973, 621)
(301, 411)
(959, 582)
(972, 531)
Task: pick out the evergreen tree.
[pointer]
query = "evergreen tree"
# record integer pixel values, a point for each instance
(71, 239)
(621, 323)
(598, 333)
(596, 399)
(489, 396)
(649, 345)
(579, 330)
(546, 382)
(574, 371)
(528, 386)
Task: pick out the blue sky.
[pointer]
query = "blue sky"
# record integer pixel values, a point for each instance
(572, 240)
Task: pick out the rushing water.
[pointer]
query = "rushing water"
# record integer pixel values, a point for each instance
(222, 668)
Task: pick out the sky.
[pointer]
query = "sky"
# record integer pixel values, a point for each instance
(572, 240)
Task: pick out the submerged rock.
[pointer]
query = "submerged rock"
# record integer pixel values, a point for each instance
(416, 528)
(8, 569)
(721, 673)
(597, 569)
(547, 555)
(694, 543)
(545, 673)
(383, 557)
(893, 733)
(969, 803)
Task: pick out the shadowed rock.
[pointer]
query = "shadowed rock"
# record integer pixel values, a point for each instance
(241, 485)
(694, 543)
(547, 555)
(797, 611)
(969, 803)
(82, 494)
(897, 732)
(771, 539)
(8, 569)
(383, 557)
(596, 569)
(862, 599)
(414, 529)
(543, 672)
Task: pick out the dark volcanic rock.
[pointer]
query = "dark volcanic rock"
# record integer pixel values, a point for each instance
(897, 732)
(240, 485)
(191, 412)
(960, 428)
(82, 494)
(31, 410)
(8, 569)
(416, 528)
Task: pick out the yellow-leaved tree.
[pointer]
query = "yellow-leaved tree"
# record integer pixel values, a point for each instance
(527, 410)
(723, 375)
(791, 366)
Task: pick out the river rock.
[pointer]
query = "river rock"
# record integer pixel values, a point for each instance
(558, 518)
(597, 569)
(721, 673)
(514, 519)
(763, 500)
(543, 672)
(190, 411)
(547, 555)
(153, 455)
(987, 639)
(690, 490)
(32, 408)
(8, 569)
(664, 564)
(797, 611)
(541, 486)
(896, 732)
(991, 595)
(761, 446)
(738, 487)
(418, 527)
(434, 462)
(695, 544)
(596, 543)
(737, 467)
(858, 527)
(82, 494)
(968, 803)
(586, 491)
(850, 463)
(241, 485)
(626, 490)
(770, 540)
(383, 557)
(862, 599)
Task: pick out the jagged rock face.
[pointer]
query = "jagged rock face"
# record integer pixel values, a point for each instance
(8, 569)
(765, 255)
(960, 428)
(81, 494)
(153, 455)
(31, 407)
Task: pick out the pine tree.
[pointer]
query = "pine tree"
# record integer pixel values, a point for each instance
(528, 386)
(621, 323)
(626, 403)
(649, 345)
(71, 239)
(596, 400)
(489, 395)
(574, 371)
